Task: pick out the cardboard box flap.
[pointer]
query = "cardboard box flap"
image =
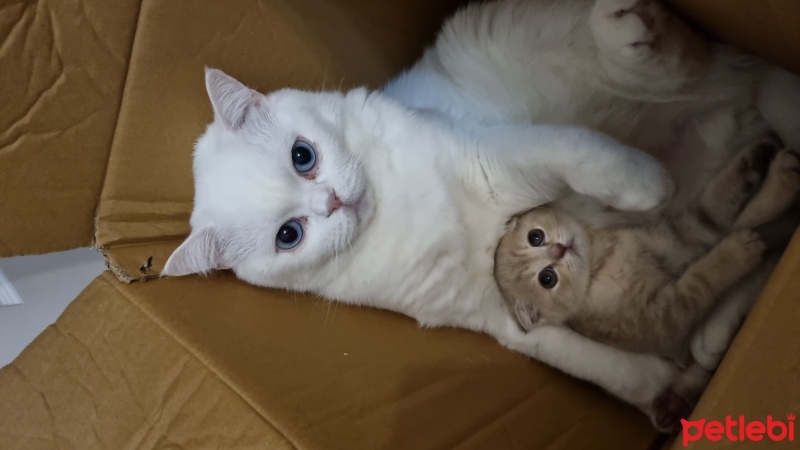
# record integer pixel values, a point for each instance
(106, 377)
(63, 69)
(316, 375)
(269, 45)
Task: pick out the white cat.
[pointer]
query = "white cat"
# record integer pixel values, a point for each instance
(360, 199)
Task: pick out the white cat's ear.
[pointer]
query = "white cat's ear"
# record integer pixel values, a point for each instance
(199, 253)
(232, 101)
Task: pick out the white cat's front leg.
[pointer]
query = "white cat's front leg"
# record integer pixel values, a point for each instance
(636, 378)
(520, 167)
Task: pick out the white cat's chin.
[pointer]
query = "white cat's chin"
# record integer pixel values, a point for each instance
(355, 216)
(363, 208)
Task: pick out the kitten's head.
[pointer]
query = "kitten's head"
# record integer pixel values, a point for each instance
(542, 266)
(276, 186)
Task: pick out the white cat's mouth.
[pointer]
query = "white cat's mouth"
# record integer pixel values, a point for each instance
(361, 207)
(350, 207)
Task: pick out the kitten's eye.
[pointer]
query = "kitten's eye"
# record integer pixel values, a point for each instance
(536, 238)
(304, 157)
(289, 235)
(548, 278)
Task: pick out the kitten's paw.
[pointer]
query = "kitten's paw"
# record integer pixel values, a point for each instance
(754, 164)
(745, 248)
(786, 170)
(668, 410)
(779, 190)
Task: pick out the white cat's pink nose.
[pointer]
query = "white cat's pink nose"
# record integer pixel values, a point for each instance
(333, 203)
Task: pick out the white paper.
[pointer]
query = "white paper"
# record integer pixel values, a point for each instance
(8, 294)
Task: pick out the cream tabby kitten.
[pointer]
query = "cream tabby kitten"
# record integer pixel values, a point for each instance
(397, 198)
(645, 288)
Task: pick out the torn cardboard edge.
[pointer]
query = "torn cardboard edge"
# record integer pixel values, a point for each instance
(137, 262)
(121, 273)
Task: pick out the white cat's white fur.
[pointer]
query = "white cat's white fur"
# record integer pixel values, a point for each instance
(430, 169)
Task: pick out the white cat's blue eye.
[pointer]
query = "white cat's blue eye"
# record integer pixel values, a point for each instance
(304, 157)
(289, 235)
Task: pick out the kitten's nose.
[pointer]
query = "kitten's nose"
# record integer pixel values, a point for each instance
(558, 250)
(333, 203)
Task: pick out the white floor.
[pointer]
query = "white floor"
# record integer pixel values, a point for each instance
(47, 284)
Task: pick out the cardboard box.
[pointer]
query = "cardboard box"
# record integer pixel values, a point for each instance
(101, 103)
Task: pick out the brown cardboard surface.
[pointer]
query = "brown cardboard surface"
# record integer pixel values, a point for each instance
(63, 67)
(214, 363)
(325, 376)
(105, 376)
(768, 28)
(760, 375)
(268, 44)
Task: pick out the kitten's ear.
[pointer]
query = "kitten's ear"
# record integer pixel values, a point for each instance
(232, 101)
(511, 224)
(199, 253)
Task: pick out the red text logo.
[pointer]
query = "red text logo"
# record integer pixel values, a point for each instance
(738, 429)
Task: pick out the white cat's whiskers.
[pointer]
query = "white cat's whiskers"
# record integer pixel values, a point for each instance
(325, 76)
(327, 313)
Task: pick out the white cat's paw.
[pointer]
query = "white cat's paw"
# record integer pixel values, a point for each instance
(647, 188)
(630, 29)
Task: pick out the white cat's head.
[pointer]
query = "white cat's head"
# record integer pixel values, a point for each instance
(276, 186)
(542, 266)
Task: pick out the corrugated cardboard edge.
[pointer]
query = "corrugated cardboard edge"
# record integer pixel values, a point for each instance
(117, 270)
(149, 259)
